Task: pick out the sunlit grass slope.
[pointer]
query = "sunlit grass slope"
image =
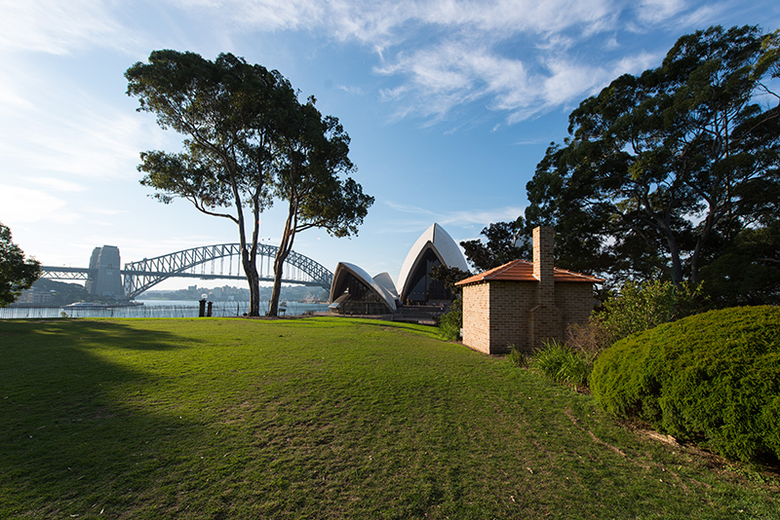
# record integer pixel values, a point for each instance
(320, 418)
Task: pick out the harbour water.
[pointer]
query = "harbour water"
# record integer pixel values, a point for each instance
(157, 309)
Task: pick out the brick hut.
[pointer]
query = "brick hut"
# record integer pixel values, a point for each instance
(523, 303)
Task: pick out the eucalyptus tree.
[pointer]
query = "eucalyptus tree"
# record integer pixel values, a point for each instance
(662, 170)
(312, 176)
(230, 113)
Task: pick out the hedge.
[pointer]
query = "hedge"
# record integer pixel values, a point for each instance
(713, 377)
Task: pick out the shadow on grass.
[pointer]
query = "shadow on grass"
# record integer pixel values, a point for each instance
(117, 334)
(80, 428)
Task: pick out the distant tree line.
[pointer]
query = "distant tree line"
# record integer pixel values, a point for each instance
(288, 292)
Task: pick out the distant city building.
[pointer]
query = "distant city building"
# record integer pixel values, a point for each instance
(354, 291)
(35, 297)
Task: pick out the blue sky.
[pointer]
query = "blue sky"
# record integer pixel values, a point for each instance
(450, 105)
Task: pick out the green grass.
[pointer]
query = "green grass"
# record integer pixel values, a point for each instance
(321, 418)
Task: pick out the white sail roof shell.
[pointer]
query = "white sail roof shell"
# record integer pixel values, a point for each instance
(363, 276)
(386, 281)
(442, 244)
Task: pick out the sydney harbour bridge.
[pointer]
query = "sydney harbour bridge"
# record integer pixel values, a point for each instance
(219, 261)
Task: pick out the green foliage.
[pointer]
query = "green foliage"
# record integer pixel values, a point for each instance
(312, 154)
(748, 271)
(715, 375)
(560, 363)
(642, 306)
(504, 244)
(449, 276)
(229, 113)
(451, 323)
(518, 357)
(662, 170)
(16, 272)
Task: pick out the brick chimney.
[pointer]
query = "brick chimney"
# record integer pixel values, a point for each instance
(546, 319)
(544, 244)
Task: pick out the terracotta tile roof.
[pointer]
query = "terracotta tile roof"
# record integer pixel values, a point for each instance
(523, 271)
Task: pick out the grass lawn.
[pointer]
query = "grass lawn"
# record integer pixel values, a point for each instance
(321, 418)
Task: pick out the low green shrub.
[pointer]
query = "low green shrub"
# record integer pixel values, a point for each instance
(518, 357)
(714, 376)
(451, 323)
(558, 362)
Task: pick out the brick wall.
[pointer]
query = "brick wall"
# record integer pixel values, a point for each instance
(496, 315)
(575, 300)
(476, 317)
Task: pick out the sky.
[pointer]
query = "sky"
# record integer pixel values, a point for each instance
(449, 104)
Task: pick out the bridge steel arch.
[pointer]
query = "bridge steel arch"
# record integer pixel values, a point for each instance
(141, 275)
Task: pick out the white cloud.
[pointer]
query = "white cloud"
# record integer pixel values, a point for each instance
(57, 185)
(55, 26)
(67, 131)
(523, 57)
(654, 11)
(26, 205)
(460, 218)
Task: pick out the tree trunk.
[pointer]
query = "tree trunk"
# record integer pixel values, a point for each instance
(674, 252)
(281, 255)
(253, 279)
(273, 305)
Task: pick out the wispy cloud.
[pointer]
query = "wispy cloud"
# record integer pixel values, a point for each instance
(26, 205)
(57, 27)
(351, 90)
(65, 132)
(57, 185)
(518, 57)
(654, 11)
(460, 218)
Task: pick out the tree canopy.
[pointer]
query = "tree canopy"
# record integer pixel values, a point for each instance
(16, 272)
(748, 270)
(662, 170)
(506, 241)
(247, 140)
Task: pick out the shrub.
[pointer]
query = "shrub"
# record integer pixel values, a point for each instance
(589, 338)
(518, 357)
(714, 376)
(561, 364)
(642, 306)
(451, 323)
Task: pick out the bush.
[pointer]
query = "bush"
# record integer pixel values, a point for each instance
(714, 376)
(642, 306)
(636, 308)
(589, 338)
(451, 323)
(561, 364)
(517, 357)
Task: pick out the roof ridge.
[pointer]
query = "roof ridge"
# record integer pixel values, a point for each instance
(576, 273)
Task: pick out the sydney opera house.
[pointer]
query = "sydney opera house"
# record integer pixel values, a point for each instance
(354, 291)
